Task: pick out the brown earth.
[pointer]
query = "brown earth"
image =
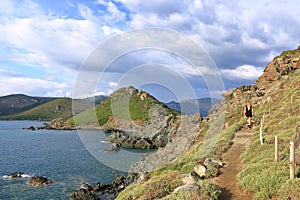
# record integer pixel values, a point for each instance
(227, 180)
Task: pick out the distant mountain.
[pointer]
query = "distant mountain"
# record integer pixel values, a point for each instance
(90, 100)
(17, 103)
(57, 108)
(23, 107)
(192, 106)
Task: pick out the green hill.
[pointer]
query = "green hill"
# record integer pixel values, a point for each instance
(22, 107)
(17, 103)
(57, 108)
(125, 104)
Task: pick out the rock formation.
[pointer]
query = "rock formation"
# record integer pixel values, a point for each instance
(103, 191)
(39, 181)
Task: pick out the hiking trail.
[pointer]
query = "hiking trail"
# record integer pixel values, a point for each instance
(227, 180)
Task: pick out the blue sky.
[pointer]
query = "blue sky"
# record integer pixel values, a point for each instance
(43, 43)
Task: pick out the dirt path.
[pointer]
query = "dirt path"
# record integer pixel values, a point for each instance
(227, 178)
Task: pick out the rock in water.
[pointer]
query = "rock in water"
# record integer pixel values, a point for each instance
(39, 181)
(83, 194)
(16, 175)
(31, 128)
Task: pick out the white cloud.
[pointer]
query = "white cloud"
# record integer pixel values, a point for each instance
(245, 72)
(50, 41)
(233, 33)
(34, 86)
(113, 84)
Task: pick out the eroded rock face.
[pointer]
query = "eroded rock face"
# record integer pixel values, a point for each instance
(276, 70)
(103, 191)
(180, 138)
(39, 181)
(126, 140)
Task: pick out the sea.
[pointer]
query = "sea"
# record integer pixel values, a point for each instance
(68, 158)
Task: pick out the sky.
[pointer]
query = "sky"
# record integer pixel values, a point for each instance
(47, 47)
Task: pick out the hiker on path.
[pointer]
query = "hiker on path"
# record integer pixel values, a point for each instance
(248, 113)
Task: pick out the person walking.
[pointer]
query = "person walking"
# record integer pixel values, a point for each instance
(248, 113)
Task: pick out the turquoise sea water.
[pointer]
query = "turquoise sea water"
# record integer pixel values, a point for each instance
(58, 155)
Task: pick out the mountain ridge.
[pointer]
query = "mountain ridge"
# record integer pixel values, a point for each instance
(193, 106)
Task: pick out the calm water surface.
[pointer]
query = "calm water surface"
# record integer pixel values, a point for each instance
(58, 155)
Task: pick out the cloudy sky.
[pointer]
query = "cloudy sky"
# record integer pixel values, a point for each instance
(46, 44)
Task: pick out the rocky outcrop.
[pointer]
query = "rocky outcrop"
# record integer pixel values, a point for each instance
(58, 124)
(39, 181)
(104, 191)
(266, 87)
(83, 194)
(126, 140)
(275, 72)
(180, 138)
(30, 128)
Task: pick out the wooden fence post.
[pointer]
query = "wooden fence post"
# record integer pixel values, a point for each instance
(297, 136)
(292, 160)
(261, 131)
(276, 149)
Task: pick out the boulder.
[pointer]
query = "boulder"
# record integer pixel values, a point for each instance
(200, 170)
(83, 194)
(39, 181)
(209, 161)
(188, 187)
(31, 128)
(189, 179)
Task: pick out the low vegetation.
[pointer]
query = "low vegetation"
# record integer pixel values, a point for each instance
(281, 119)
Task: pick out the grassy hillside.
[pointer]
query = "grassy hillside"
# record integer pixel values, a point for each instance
(282, 115)
(162, 182)
(126, 104)
(17, 103)
(61, 107)
(22, 107)
(277, 96)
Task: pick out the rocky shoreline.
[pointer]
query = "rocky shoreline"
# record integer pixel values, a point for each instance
(104, 191)
(171, 136)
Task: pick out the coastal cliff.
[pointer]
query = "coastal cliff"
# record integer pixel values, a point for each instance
(276, 98)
